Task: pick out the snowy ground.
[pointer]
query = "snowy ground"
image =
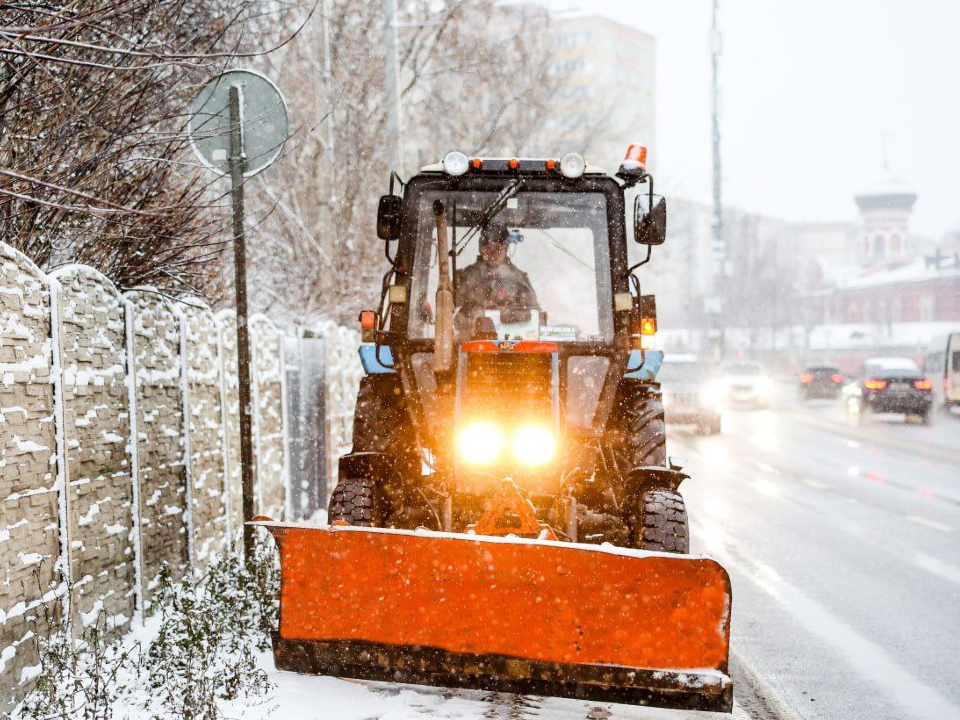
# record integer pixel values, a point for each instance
(318, 698)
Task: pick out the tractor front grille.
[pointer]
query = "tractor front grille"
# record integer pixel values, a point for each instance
(508, 384)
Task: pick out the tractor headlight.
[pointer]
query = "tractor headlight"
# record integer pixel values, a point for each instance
(480, 443)
(534, 445)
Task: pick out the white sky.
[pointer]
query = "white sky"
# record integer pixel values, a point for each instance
(809, 88)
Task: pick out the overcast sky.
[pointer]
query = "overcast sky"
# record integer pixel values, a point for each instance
(809, 89)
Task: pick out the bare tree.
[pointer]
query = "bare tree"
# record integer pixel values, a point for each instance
(93, 164)
(474, 76)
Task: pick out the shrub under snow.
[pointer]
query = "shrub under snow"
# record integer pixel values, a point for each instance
(203, 651)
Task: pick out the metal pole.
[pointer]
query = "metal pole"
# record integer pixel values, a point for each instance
(718, 245)
(392, 76)
(238, 164)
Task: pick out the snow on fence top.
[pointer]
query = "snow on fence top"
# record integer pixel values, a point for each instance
(120, 425)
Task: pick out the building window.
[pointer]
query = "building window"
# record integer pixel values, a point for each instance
(926, 308)
(879, 247)
(896, 310)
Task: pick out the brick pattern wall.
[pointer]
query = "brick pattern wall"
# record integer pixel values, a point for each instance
(155, 344)
(268, 433)
(85, 504)
(206, 473)
(96, 428)
(227, 322)
(29, 540)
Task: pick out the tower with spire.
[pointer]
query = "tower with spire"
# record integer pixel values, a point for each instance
(885, 211)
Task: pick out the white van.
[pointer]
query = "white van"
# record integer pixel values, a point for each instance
(942, 366)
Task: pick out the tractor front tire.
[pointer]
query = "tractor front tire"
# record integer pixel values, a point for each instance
(356, 501)
(660, 522)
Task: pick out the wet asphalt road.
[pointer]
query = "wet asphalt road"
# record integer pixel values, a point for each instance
(843, 546)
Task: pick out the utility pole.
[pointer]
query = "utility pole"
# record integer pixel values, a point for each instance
(718, 246)
(238, 166)
(326, 185)
(392, 77)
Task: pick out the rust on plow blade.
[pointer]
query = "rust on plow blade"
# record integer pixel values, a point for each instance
(505, 614)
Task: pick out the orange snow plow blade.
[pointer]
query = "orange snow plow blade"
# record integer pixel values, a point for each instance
(510, 615)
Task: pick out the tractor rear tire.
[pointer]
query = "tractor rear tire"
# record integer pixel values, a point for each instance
(356, 501)
(660, 522)
(645, 432)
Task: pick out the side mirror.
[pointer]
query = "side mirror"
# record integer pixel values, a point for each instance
(388, 217)
(650, 228)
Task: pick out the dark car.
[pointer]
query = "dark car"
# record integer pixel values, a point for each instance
(821, 381)
(890, 385)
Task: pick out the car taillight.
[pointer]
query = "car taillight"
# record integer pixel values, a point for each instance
(923, 384)
(806, 377)
(837, 378)
(876, 384)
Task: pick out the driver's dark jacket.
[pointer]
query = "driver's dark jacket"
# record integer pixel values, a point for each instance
(482, 286)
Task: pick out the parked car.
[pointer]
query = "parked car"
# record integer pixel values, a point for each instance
(821, 381)
(746, 383)
(942, 366)
(890, 385)
(691, 394)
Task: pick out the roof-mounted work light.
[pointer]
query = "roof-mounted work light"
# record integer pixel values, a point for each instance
(572, 165)
(455, 163)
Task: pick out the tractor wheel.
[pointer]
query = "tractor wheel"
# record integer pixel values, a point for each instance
(645, 432)
(660, 522)
(356, 501)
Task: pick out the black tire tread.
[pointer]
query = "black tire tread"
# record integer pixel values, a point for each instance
(354, 501)
(645, 430)
(662, 522)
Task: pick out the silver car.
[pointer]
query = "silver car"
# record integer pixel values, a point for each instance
(690, 394)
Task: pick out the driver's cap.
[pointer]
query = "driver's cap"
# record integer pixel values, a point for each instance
(494, 233)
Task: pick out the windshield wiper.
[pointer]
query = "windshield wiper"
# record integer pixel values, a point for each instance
(491, 212)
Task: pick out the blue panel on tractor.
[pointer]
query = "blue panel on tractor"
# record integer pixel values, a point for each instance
(644, 364)
(373, 357)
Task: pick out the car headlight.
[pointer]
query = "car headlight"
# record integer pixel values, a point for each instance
(534, 445)
(713, 392)
(480, 443)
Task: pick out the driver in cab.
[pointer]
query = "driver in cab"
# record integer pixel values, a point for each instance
(492, 282)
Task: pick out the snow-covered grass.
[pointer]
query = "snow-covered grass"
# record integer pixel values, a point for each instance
(198, 652)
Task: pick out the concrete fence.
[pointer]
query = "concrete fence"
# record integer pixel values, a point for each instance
(119, 444)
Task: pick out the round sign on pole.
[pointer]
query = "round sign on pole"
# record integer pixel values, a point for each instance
(263, 121)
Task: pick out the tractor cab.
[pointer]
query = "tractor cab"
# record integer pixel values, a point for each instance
(545, 313)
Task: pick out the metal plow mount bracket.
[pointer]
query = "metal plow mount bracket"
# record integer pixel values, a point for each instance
(504, 614)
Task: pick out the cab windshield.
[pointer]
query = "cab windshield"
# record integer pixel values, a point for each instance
(528, 265)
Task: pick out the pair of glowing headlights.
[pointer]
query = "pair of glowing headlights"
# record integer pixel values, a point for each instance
(483, 443)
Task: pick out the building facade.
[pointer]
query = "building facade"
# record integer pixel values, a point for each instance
(606, 72)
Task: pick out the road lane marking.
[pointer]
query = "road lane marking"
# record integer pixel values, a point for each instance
(816, 484)
(920, 520)
(937, 567)
(766, 468)
(869, 659)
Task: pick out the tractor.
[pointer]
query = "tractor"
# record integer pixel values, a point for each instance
(508, 517)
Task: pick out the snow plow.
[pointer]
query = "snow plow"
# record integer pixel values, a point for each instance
(508, 518)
